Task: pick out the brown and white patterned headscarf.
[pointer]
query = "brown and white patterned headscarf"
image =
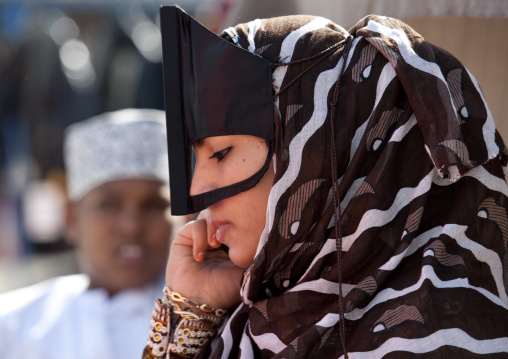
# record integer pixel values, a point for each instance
(423, 202)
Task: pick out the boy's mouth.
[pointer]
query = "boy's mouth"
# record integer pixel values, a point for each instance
(131, 252)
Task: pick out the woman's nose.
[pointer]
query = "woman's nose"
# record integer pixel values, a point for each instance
(202, 181)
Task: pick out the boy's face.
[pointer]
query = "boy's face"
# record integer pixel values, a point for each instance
(122, 230)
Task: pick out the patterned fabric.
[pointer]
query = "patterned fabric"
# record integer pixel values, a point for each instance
(133, 139)
(179, 327)
(423, 201)
(159, 330)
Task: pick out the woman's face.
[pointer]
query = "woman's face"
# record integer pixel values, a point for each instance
(238, 220)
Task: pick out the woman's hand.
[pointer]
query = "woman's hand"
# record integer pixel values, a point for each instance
(199, 270)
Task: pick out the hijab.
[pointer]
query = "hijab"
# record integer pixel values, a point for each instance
(386, 229)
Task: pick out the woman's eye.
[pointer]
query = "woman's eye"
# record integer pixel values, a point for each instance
(219, 155)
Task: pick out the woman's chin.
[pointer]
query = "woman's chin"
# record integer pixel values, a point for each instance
(240, 259)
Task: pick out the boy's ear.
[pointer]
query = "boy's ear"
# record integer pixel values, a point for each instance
(71, 223)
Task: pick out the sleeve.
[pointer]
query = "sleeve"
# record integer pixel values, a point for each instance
(180, 332)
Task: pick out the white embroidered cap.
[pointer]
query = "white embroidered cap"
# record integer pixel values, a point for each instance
(129, 143)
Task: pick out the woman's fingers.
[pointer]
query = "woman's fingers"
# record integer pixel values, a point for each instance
(195, 269)
(212, 237)
(199, 236)
(211, 230)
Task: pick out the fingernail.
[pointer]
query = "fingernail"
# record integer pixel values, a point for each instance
(213, 241)
(200, 256)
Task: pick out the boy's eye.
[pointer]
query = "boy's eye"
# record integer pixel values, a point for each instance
(108, 204)
(157, 205)
(219, 155)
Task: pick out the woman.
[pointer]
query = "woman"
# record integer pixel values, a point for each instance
(385, 229)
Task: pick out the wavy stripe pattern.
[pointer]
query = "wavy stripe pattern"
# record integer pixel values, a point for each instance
(423, 202)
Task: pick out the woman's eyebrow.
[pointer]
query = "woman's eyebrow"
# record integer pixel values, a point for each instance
(199, 143)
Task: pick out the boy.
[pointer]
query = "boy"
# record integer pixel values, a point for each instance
(118, 218)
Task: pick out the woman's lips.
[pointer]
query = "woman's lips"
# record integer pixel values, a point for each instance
(222, 229)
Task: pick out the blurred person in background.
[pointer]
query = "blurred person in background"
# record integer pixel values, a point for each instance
(118, 219)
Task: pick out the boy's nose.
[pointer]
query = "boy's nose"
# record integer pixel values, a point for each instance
(131, 221)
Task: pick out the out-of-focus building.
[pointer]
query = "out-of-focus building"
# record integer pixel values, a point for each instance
(62, 61)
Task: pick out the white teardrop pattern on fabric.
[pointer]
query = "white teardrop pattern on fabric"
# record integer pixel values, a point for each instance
(397, 317)
(442, 255)
(380, 133)
(363, 67)
(290, 220)
(454, 78)
(413, 222)
(489, 209)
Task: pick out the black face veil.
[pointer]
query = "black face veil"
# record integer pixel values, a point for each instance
(211, 88)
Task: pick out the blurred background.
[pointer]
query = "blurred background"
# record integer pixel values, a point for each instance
(62, 61)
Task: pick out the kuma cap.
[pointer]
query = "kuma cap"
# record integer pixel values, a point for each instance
(129, 143)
